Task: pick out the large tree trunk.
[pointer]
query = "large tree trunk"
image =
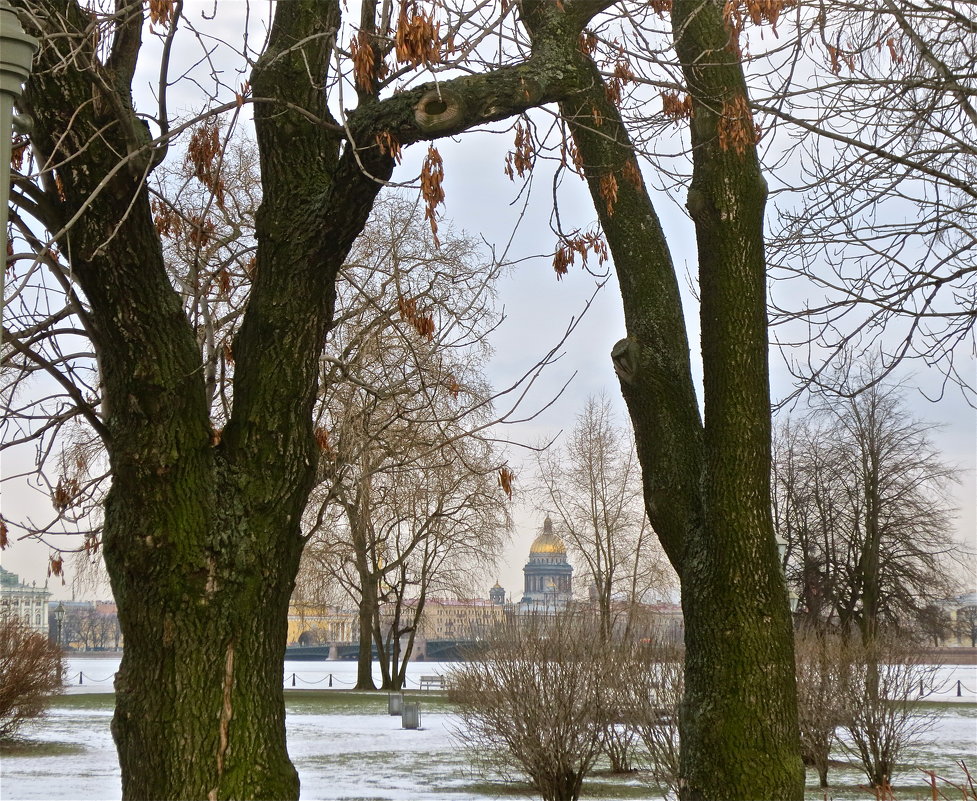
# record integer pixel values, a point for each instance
(195, 657)
(739, 726)
(706, 486)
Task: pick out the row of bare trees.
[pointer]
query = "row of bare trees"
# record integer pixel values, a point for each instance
(861, 496)
(550, 699)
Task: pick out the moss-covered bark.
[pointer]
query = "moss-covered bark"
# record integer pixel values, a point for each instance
(706, 484)
(739, 715)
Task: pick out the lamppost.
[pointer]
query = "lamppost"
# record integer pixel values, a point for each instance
(16, 51)
(792, 598)
(59, 616)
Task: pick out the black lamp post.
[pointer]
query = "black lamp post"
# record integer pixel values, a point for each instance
(59, 614)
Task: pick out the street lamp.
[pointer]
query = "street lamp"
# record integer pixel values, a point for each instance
(781, 557)
(59, 616)
(16, 51)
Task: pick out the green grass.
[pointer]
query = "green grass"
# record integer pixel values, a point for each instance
(34, 748)
(85, 701)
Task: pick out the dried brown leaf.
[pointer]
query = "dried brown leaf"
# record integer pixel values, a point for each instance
(506, 478)
(432, 177)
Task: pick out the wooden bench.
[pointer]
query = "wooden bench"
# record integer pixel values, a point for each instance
(432, 682)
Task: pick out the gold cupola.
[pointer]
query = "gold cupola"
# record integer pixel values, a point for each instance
(547, 542)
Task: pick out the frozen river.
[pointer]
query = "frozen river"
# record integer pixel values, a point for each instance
(345, 746)
(94, 675)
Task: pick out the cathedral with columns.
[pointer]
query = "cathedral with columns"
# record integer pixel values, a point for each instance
(548, 576)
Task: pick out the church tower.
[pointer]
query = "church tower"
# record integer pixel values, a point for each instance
(548, 574)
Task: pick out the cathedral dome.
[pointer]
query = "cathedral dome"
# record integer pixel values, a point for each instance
(547, 542)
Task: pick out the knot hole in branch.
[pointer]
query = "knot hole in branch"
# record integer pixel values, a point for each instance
(439, 110)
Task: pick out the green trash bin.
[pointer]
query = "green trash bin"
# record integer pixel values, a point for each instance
(410, 716)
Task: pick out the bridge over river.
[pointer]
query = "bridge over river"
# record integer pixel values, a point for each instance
(424, 651)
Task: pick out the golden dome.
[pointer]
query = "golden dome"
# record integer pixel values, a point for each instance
(548, 542)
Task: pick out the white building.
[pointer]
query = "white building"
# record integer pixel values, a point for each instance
(25, 602)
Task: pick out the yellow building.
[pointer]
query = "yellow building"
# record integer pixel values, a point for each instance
(446, 619)
(318, 625)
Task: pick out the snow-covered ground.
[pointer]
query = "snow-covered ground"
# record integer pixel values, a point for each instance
(355, 750)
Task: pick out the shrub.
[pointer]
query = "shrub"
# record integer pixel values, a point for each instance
(31, 670)
(823, 669)
(884, 715)
(656, 685)
(535, 702)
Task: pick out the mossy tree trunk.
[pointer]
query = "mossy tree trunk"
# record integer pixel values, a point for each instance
(739, 713)
(706, 483)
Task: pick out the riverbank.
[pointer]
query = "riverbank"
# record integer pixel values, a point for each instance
(942, 656)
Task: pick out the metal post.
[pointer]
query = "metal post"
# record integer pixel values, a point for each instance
(16, 52)
(59, 613)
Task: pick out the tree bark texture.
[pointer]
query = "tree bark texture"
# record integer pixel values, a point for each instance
(739, 720)
(706, 485)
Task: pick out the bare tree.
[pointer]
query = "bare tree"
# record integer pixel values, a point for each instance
(861, 498)
(401, 423)
(533, 701)
(934, 623)
(31, 670)
(966, 627)
(592, 484)
(876, 234)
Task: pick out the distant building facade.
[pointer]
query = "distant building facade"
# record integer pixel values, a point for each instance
(321, 625)
(27, 603)
(462, 619)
